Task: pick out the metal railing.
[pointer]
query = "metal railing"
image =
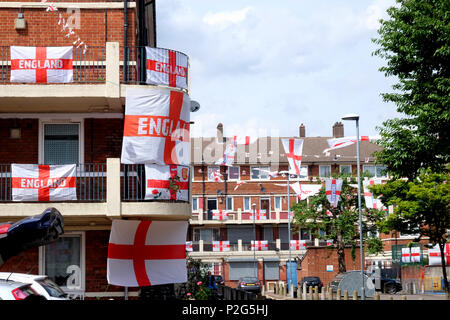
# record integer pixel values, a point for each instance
(135, 73)
(90, 183)
(89, 65)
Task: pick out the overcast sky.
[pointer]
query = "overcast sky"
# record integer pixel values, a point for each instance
(264, 67)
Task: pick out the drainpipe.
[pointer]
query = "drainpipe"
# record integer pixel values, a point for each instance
(125, 41)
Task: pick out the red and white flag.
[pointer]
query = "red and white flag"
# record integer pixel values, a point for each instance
(415, 254)
(189, 247)
(434, 255)
(333, 190)
(406, 255)
(293, 149)
(330, 242)
(216, 176)
(238, 184)
(167, 67)
(337, 143)
(245, 140)
(297, 244)
(371, 201)
(259, 215)
(304, 191)
(221, 246)
(329, 213)
(220, 215)
(33, 182)
(144, 253)
(169, 182)
(259, 245)
(156, 127)
(41, 64)
(228, 156)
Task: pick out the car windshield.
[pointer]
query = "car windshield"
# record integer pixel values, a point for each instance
(52, 288)
(249, 279)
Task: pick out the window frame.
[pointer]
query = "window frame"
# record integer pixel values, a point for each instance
(343, 166)
(275, 203)
(239, 173)
(208, 176)
(328, 166)
(375, 170)
(259, 178)
(249, 204)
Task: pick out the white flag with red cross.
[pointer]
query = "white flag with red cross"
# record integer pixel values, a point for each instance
(330, 242)
(337, 143)
(259, 245)
(258, 215)
(156, 127)
(297, 244)
(220, 215)
(304, 191)
(333, 190)
(406, 255)
(167, 67)
(145, 253)
(33, 182)
(371, 201)
(434, 255)
(221, 246)
(41, 64)
(293, 149)
(189, 247)
(228, 156)
(245, 140)
(415, 254)
(169, 182)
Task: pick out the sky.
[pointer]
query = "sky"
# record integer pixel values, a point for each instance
(264, 67)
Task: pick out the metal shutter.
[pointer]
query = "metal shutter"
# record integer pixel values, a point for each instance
(271, 270)
(268, 233)
(241, 269)
(283, 233)
(240, 232)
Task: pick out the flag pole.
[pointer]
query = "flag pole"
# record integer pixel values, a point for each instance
(291, 291)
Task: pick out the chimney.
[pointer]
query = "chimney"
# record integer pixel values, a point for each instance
(220, 133)
(302, 131)
(338, 130)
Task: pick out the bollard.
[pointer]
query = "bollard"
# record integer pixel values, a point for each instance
(299, 293)
(304, 292)
(338, 294)
(345, 294)
(284, 291)
(377, 296)
(310, 293)
(403, 297)
(390, 298)
(355, 295)
(322, 293)
(316, 293)
(330, 293)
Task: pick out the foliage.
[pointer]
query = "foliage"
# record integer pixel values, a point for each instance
(414, 41)
(342, 225)
(197, 276)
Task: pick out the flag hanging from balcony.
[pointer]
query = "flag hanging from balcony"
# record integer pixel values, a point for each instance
(259, 215)
(221, 246)
(337, 143)
(434, 255)
(189, 247)
(220, 215)
(167, 67)
(32, 182)
(371, 201)
(293, 149)
(333, 190)
(156, 127)
(297, 244)
(41, 64)
(260, 245)
(304, 191)
(169, 182)
(144, 253)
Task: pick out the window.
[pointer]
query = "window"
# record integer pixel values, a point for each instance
(277, 203)
(375, 171)
(61, 143)
(208, 235)
(324, 171)
(303, 173)
(194, 204)
(63, 261)
(210, 172)
(233, 173)
(229, 203)
(246, 204)
(345, 169)
(257, 174)
(305, 234)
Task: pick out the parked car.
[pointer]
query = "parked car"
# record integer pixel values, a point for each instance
(249, 284)
(391, 286)
(30, 232)
(13, 290)
(218, 280)
(310, 282)
(39, 283)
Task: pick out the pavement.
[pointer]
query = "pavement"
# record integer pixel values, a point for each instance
(397, 296)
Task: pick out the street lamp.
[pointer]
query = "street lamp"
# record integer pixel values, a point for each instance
(355, 117)
(254, 241)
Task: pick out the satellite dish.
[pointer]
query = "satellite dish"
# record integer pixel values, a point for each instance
(195, 106)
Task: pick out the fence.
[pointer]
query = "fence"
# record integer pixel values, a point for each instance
(228, 293)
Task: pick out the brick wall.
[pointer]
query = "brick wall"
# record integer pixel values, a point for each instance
(24, 150)
(25, 262)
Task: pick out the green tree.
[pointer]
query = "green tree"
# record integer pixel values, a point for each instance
(414, 41)
(342, 225)
(421, 206)
(197, 272)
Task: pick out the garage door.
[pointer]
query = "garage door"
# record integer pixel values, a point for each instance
(241, 269)
(271, 270)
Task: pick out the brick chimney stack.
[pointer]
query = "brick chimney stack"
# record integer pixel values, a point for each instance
(338, 130)
(302, 131)
(220, 133)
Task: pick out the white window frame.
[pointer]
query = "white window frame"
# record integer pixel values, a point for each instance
(82, 235)
(79, 121)
(207, 173)
(275, 203)
(249, 204)
(345, 165)
(297, 178)
(375, 176)
(320, 166)
(196, 200)
(259, 179)
(198, 229)
(270, 205)
(239, 173)
(232, 203)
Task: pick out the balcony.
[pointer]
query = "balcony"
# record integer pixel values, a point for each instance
(238, 217)
(99, 82)
(105, 191)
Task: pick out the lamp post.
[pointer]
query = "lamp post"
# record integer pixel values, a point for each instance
(355, 117)
(289, 282)
(254, 240)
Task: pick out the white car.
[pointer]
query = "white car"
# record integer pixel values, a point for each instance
(39, 283)
(13, 290)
